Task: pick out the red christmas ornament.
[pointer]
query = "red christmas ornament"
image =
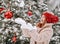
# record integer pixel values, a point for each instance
(29, 13)
(1, 9)
(50, 17)
(8, 15)
(14, 39)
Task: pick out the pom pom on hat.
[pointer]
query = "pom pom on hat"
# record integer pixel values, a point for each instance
(50, 17)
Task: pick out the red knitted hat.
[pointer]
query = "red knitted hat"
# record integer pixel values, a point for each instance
(50, 17)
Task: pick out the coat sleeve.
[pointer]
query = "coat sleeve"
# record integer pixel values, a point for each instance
(26, 32)
(45, 36)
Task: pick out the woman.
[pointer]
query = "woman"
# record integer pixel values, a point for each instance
(43, 32)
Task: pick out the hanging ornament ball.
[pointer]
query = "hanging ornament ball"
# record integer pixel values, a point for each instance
(29, 13)
(1, 9)
(8, 14)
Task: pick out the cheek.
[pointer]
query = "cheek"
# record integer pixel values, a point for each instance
(42, 20)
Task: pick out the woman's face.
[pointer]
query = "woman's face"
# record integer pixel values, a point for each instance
(42, 22)
(43, 19)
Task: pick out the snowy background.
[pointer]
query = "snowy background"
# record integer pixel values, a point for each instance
(20, 9)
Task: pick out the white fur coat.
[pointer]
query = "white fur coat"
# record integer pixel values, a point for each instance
(40, 38)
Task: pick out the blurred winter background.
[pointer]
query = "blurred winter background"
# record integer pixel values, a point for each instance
(30, 11)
